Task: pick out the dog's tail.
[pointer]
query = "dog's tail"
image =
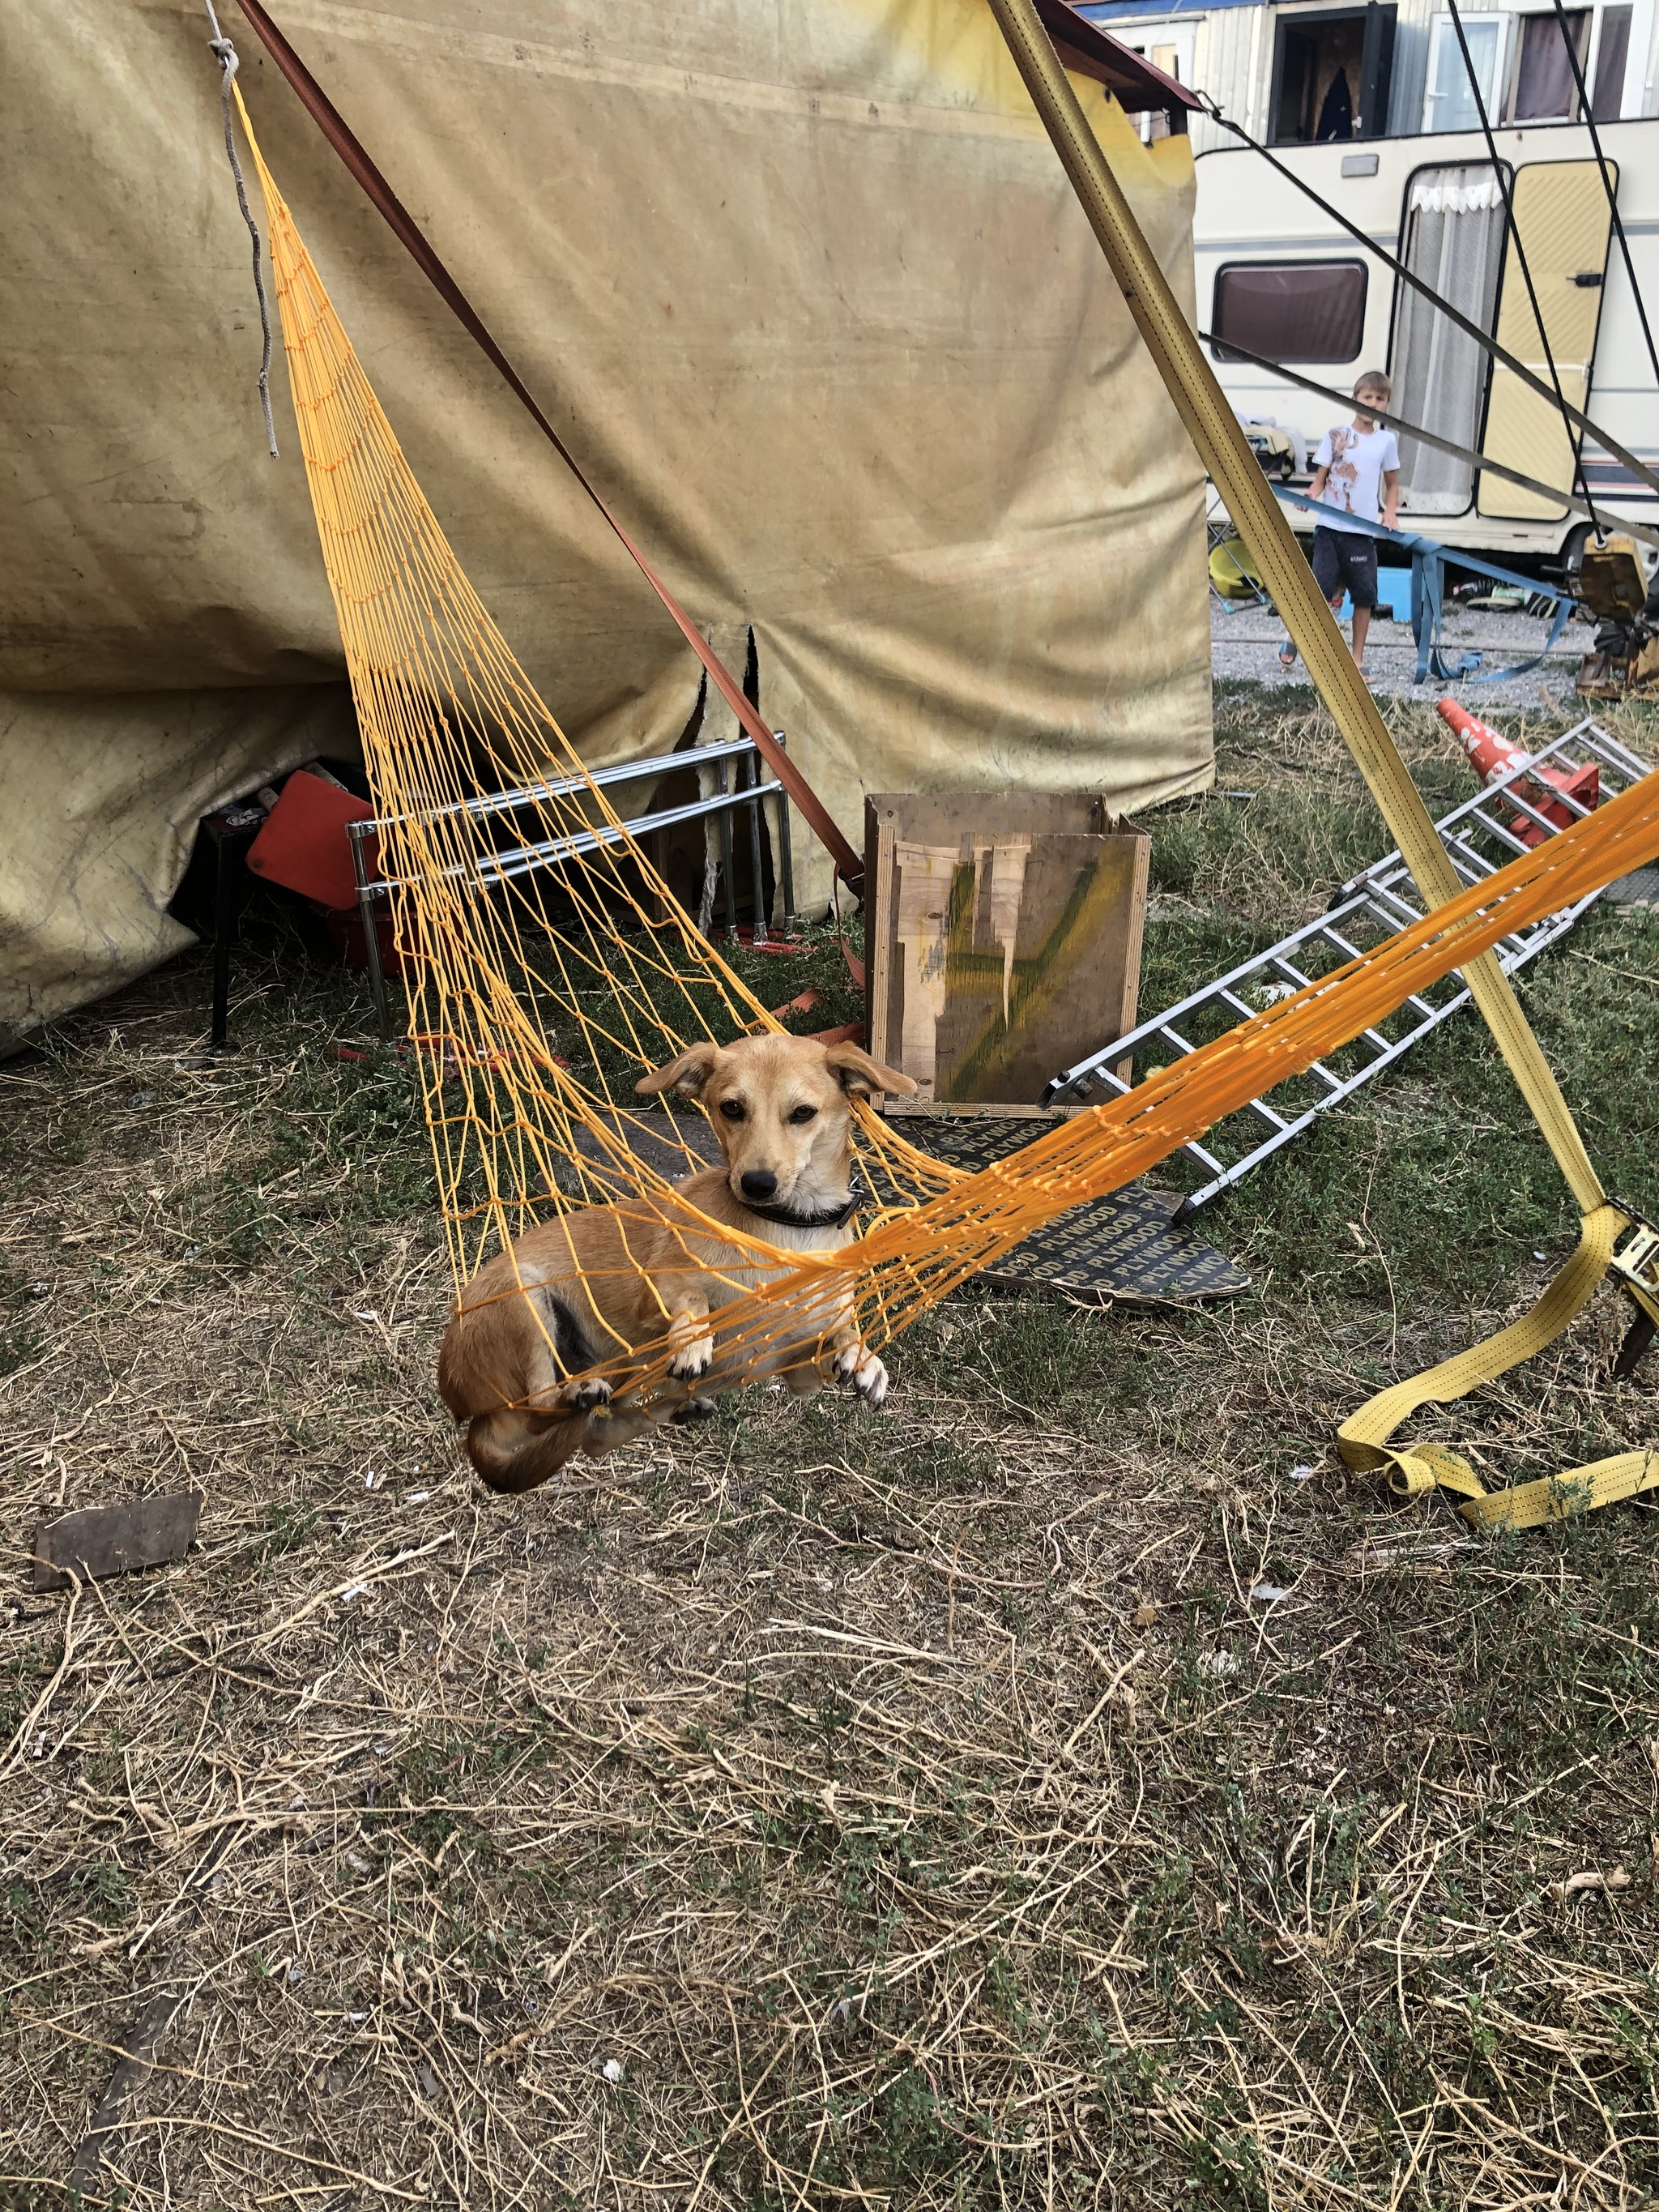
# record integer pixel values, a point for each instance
(476, 1366)
(529, 1460)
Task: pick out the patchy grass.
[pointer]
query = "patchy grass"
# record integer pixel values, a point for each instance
(912, 1810)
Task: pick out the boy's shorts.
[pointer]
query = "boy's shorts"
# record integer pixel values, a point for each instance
(1346, 560)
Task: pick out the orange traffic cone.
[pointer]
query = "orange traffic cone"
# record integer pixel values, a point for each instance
(1496, 757)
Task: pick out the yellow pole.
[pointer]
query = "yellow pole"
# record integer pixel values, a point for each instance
(1237, 475)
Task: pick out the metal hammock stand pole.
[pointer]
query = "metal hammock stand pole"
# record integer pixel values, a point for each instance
(345, 143)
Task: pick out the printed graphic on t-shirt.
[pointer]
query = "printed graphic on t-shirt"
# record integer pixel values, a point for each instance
(1357, 461)
(1345, 474)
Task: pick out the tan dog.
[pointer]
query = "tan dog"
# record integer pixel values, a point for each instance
(578, 1291)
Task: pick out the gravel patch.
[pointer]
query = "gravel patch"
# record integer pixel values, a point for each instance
(1244, 642)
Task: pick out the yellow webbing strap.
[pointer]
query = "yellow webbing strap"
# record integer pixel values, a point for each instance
(1528, 1504)
(1363, 1437)
(1236, 474)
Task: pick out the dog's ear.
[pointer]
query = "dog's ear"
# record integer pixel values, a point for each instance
(689, 1074)
(855, 1072)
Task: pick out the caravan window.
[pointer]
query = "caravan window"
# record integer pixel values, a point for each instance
(1290, 310)
(1608, 95)
(1523, 67)
(1332, 72)
(1543, 91)
(1169, 47)
(1448, 104)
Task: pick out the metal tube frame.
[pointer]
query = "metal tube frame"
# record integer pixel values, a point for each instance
(223, 899)
(485, 872)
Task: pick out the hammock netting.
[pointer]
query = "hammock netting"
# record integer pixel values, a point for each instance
(548, 965)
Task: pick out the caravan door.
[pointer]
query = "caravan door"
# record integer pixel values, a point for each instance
(1563, 220)
(1453, 239)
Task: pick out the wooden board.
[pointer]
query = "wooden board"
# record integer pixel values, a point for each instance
(113, 1539)
(1003, 934)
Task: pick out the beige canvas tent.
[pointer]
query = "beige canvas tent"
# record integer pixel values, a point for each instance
(801, 283)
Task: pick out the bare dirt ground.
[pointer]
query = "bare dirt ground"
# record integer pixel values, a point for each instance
(931, 1809)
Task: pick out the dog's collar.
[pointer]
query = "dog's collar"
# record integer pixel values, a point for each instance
(834, 1217)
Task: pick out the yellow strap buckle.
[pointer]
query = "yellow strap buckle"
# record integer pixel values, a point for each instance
(1416, 1469)
(1636, 1263)
(1528, 1505)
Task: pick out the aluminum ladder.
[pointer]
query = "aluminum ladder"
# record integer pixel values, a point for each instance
(1479, 836)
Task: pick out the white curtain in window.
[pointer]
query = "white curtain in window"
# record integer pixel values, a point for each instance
(1454, 242)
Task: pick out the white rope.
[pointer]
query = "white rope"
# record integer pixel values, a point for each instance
(228, 63)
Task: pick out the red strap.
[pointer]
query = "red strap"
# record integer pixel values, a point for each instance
(334, 128)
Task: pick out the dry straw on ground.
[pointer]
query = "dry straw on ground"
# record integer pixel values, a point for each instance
(923, 1810)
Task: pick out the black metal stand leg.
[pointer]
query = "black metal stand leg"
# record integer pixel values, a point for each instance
(753, 810)
(369, 921)
(786, 856)
(730, 899)
(1639, 1336)
(223, 922)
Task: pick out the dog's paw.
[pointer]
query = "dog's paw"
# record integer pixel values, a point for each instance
(693, 1360)
(864, 1372)
(583, 1397)
(696, 1409)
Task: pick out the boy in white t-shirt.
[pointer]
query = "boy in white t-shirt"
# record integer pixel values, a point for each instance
(1356, 468)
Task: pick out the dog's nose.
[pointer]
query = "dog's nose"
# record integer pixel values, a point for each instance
(759, 1183)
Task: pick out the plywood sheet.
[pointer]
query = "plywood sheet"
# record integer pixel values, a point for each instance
(1004, 937)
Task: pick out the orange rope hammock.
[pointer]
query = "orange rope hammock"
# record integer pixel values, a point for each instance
(539, 996)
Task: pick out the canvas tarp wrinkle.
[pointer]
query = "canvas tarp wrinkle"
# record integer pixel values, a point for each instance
(802, 288)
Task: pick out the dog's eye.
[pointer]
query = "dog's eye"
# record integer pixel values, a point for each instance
(734, 1109)
(805, 1114)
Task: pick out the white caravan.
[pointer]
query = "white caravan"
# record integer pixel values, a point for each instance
(1371, 107)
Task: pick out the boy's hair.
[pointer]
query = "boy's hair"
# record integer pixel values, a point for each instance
(1373, 380)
